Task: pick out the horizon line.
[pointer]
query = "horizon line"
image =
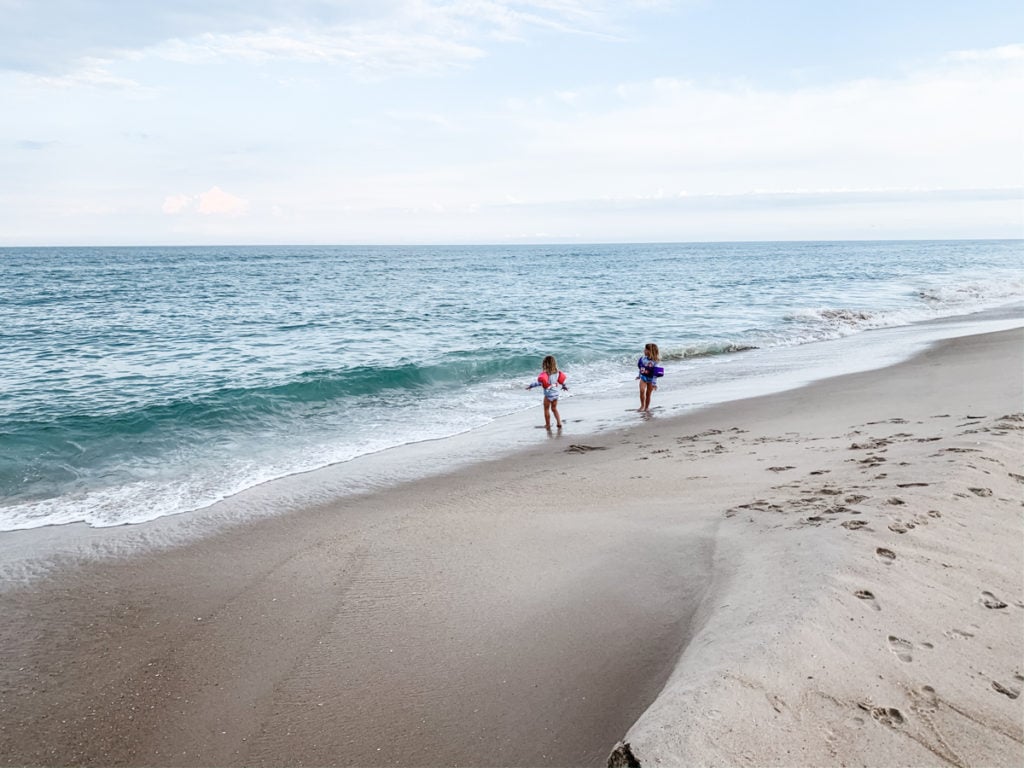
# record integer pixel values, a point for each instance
(506, 244)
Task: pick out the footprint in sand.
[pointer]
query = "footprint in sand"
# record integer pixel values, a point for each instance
(872, 461)
(901, 648)
(1012, 692)
(983, 492)
(896, 501)
(584, 448)
(885, 555)
(869, 597)
(911, 485)
(779, 469)
(960, 634)
(991, 601)
(934, 513)
(853, 525)
(925, 700)
(885, 715)
(898, 527)
(873, 444)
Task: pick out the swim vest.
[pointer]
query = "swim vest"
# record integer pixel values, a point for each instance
(650, 369)
(545, 380)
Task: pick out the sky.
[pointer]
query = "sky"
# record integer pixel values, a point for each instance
(203, 122)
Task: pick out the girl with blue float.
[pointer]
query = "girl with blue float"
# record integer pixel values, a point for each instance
(650, 372)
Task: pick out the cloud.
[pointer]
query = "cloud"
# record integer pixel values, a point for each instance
(73, 41)
(1002, 53)
(953, 125)
(89, 73)
(368, 53)
(217, 202)
(214, 202)
(411, 37)
(54, 37)
(175, 204)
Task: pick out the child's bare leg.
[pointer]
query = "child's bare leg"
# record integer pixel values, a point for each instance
(647, 398)
(554, 410)
(547, 413)
(643, 387)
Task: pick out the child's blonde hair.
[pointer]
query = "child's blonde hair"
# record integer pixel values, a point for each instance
(651, 350)
(550, 365)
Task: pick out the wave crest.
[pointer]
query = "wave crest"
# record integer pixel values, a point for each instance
(708, 349)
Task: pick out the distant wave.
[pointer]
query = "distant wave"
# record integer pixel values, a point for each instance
(822, 323)
(981, 292)
(708, 349)
(831, 314)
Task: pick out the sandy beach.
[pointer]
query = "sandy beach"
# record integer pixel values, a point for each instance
(828, 576)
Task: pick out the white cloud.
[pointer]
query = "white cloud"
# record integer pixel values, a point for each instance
(1002, 53)
(175, 204)
(950, 126)
(365, 52)
(374, 38)
(411, 36)
(89, 73)
(214, 202)
(217, 202)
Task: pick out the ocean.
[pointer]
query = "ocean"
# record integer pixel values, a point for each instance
(138, 383)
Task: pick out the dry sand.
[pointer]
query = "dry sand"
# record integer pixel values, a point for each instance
(829, 576)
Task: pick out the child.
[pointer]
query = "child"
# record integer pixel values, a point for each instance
(649, 372)
(551, 379)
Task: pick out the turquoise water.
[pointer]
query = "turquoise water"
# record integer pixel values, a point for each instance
(142, 382)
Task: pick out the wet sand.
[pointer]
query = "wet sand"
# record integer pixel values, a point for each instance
(760, 582)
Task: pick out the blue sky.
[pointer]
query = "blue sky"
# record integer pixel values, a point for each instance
(420, 121)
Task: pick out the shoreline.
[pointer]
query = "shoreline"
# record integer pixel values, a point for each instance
(532, 609)
(30, 553)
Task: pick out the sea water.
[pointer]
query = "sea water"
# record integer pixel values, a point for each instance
(137, 383)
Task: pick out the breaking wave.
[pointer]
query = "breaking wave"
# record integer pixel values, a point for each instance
(709, 349)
